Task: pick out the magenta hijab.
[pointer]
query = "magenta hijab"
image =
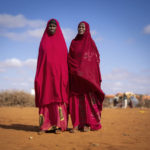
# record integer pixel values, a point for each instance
(51, 79)
(83, 63)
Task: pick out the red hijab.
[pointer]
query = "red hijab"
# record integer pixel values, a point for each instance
(84, 62)
(51, 80)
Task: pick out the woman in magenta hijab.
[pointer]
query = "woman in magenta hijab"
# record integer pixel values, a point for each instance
(51, 80)
(86, 95)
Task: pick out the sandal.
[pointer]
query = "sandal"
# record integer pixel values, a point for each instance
(86, 129)
(74, 130)
(58, 131)
(41, 132)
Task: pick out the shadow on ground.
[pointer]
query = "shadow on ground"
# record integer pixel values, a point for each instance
(23, 127)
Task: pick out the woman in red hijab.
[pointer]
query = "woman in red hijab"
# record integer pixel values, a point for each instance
(86, 95)
(51, 80)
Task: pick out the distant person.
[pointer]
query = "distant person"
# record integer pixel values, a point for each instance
(124, 101)
(133, 101)
(115, 101)
(51, 80)
(86, 95)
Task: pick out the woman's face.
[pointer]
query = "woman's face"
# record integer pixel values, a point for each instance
(52, 28)
(81, 28)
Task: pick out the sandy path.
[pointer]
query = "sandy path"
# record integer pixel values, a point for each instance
(122, 130)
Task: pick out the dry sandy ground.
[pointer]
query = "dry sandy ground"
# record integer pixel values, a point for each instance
(123, 129)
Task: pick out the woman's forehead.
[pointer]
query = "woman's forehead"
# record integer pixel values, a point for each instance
(82, 23)
(52, 24)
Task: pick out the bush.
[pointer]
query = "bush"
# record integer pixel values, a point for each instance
(16, 98)
(24, 99)
(108, 102)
